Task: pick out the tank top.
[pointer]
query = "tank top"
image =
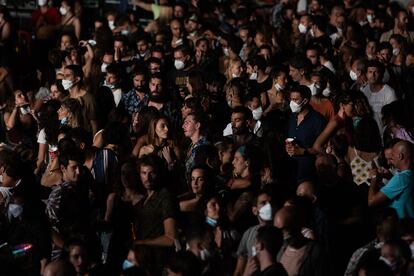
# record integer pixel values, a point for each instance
(360, 169)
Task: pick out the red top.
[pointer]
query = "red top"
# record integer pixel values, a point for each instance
(51, 17)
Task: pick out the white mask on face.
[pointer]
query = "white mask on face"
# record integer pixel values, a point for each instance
(42, 3)
(395, 51)
(205, 254)
(279, 87)
(125, 32)
(179, 65)
(302, 28)
(314, 88)
(103, 67)
(265, 213)
(229, 103)
(370, 18)
(326, 92)
(296, 108)
(393, 265)
(412, 251)
(15, 210)
(226, 52)
(312, 33)
(111, 86)
(63, 11)
(111, 25)
(253, 76)
(67, 84)
(254, 251)
(363, 23)
(234, 75)
(257, 113)
(353, 75)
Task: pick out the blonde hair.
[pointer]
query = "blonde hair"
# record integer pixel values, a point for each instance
(230, 65)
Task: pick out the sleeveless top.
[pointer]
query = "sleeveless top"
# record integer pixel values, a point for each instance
(360, 169)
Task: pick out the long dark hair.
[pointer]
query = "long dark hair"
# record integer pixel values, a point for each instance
(49, 120)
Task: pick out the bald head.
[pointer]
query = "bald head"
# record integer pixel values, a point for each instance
(306, 189)
(402, 155)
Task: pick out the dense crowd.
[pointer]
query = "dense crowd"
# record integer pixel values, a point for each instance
(221, 137)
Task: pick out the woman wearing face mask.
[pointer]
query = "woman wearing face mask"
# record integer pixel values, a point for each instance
(320, 92)
(20, 123)
(225, 237)
(234, 69)
(399, 47)
(276, 97)
(70, 22)
(69, 113)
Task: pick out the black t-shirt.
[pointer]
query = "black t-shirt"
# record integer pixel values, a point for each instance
(273, 270)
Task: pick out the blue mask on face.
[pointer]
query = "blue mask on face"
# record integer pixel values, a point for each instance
(127, 264)
(212, 222)
(64, 121)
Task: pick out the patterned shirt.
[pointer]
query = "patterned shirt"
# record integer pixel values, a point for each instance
(191, 153)
(132, 102)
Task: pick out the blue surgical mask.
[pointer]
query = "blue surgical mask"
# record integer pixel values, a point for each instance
(127, 264)
(212, 222)
(64, 121)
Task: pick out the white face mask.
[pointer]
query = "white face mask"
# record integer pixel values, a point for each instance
(15, 210)
(229, 103)
(63, 11)
(103, 67)
(279, 87)
(234, 75)
(326, 92)
(395, 51)
(412, 9)
(179, 65)
(353, 75)
(111, 86)
(393, 265)
(205, 254)
(257, 113)
(25, 110)
(412, 251)
(265, 213)
(226, 52)
(254, 251)
(67, 84)
(111, 25)
(42, 2)
(1, 178)
(312, 33)
(370, 18)
(314, 88)
(302, 28)
(125, 32)
(363, 23)
(296, 108)
(253, 76)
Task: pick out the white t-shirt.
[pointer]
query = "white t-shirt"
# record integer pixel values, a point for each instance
(117, 95)
(378, 99)
(41, 138)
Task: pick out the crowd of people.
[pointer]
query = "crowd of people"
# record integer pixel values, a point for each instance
(232, 137)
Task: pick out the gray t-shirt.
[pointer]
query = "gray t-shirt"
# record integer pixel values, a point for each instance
(247, 241)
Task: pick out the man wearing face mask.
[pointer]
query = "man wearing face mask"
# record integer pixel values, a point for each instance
(200, 242)
(268, 242)
(358, 73)
(182, 68)
(262, 209)
(304, 126)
